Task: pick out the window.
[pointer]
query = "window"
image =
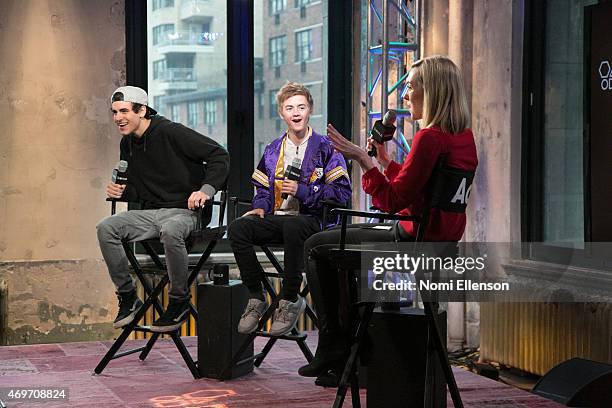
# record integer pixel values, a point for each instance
(260, 105)
(210, 111)
(193, 114)
(278, 50)
(157, 4)
(276, 6)
(162, 32)
(303, 45)
(273, 106)
(224, 110)
(176, 113)
(275, 47)
(554, 125)
(158, 69)
(157, 103)
(207, 72)
(200, 33)
(300, 3)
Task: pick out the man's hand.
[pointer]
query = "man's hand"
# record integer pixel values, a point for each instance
(289, 187)
(114, 190)
(255, 211)
(197, 200)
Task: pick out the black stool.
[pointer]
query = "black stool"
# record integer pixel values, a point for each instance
(295, 335)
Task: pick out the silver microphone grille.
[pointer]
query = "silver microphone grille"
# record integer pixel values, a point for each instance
(389, 118)
(122, 166)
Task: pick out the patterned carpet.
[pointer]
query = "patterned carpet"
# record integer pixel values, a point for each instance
(164, 381)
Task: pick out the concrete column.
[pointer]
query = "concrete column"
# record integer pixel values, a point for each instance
(435, 28)
(460, 37)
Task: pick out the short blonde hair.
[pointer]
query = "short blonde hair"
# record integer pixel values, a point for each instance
(292, 89)
(444, 100)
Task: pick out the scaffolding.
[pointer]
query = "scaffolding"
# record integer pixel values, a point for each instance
(392, 46)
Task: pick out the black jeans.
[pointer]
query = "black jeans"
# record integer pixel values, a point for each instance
(290, 231)
(323, 279)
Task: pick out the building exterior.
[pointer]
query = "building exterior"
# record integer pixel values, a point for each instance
(187, 62)
(293, 51)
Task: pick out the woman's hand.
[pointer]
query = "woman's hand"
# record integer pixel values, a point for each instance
(381, 153)
(348, 149)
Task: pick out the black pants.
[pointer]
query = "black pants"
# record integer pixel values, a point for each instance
(290, 231)
(323, 279)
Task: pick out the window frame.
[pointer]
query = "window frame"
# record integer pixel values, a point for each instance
(175, 112)
(160, 4)
(273, 6)
(159, 67)
(240, 72)
(532, 147)
(281, 42)
(300, 47)
(193, 113)
(302, 3)
(273, 105)
(210, 115)
(162, 29)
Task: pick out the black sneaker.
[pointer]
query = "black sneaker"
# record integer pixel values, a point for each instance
(173, 317)
(128, 306)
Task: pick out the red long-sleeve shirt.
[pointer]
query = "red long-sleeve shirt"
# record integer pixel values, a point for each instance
(403, 189)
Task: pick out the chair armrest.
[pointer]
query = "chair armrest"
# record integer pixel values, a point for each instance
(329, 205)
(333, 204)
(237, 202)
(200, 210)
(240, 201)
(114, 202)
(345, 212)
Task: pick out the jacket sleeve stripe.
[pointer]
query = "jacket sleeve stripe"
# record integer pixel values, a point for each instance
(261, 178)
(335, 174)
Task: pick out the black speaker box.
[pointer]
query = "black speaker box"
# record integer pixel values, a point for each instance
(397, 361)
(578, 383)
(219, 310)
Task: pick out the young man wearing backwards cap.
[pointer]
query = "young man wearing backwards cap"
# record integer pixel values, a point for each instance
(172, 170)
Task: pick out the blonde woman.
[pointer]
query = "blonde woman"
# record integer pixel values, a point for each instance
(436, 98)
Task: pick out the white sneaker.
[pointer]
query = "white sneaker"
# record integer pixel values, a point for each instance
(250, 318)
(286, 316)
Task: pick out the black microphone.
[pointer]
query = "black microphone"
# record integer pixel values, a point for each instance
(383, 130)
(292, 173)
(120, 173)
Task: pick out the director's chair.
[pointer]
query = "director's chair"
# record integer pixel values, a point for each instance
(295, 335)
(440, 190)
(202, 234)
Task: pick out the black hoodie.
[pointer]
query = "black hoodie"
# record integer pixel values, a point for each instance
(169, 162)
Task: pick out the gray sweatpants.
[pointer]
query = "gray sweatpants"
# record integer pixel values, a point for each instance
(171, 225)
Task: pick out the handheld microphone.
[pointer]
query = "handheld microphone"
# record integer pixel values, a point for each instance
(292, 173)
(120, 173)
(383, 130)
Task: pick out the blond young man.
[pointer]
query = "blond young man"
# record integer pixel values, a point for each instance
(287, 221)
